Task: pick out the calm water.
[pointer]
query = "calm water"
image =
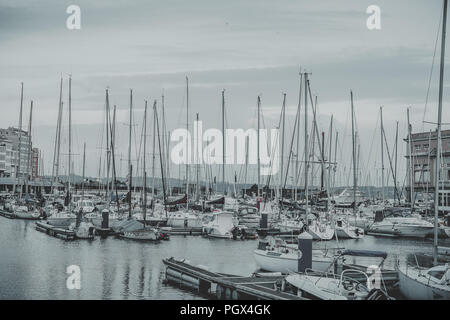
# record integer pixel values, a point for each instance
(33, 265)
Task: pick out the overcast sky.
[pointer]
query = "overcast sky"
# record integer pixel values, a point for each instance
(245, 47)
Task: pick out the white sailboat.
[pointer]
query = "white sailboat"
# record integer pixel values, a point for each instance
(344, 230)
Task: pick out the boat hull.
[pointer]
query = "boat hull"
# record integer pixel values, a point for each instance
(416, 287)
(287, 263)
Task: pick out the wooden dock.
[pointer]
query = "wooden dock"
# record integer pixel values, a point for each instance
(221, 286)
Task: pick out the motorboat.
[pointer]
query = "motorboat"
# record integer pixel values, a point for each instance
(399, 222)
(346, 198)
(324, 286)
(275, 255)
(222, 225)
(26, 212)
(85, 206)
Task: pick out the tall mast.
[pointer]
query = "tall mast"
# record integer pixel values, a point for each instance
(382, 153)
(438, 147)
(129, 152)
(144, 173)
(329, 162)
(322, 171)
(259, 159)
(108, 152)
(84, 171)
(223, 142)
(187, 143)
(283, 117)
(55, 167)
(335, 159)
(411, 169)
(353, 153)
(20, 138)
(160, 159)
(197, 166)
(70, 141)
(306, 143)
(298, 136)
(113, 141)
(153, 154)
(30, 149)
(395, 165)
(165, 147)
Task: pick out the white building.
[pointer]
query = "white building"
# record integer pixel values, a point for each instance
(11, 138)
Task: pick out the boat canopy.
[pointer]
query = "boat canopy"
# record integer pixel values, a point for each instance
(365, 253)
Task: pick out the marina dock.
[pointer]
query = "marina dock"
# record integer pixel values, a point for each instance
(221, 286)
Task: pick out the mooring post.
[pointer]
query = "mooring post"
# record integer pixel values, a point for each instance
(105, 219)
(305, 251)
(263, 221)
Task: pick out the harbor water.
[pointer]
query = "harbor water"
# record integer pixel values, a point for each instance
(33, 265)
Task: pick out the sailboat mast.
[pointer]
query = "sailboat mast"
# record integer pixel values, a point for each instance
(70, 141)
(153, 154)
(438, 141)
(30, 150)
(160, 159)
(306, 143)
(298, 136)
(197, 169)
(410, 166)
(259, 159)
(395, 164)
(84, 171)
(353, 153)
(113, 141)
(187, 143)
(283, 117)
(129, 152)
(382, 153)
(144, 173)
(20, 140)
(57, 140)
(329, 163)
(108, 155)
(223, 142)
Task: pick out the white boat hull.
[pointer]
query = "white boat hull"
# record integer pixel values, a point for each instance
(401, 230)
(416, 287)
(287, 263)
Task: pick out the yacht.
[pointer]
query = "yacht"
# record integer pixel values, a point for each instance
(221, 225)
(275, 255)
(399, 222)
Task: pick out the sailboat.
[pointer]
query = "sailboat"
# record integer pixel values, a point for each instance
(432, 283)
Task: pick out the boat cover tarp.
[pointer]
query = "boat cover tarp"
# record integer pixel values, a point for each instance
(365, 253)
